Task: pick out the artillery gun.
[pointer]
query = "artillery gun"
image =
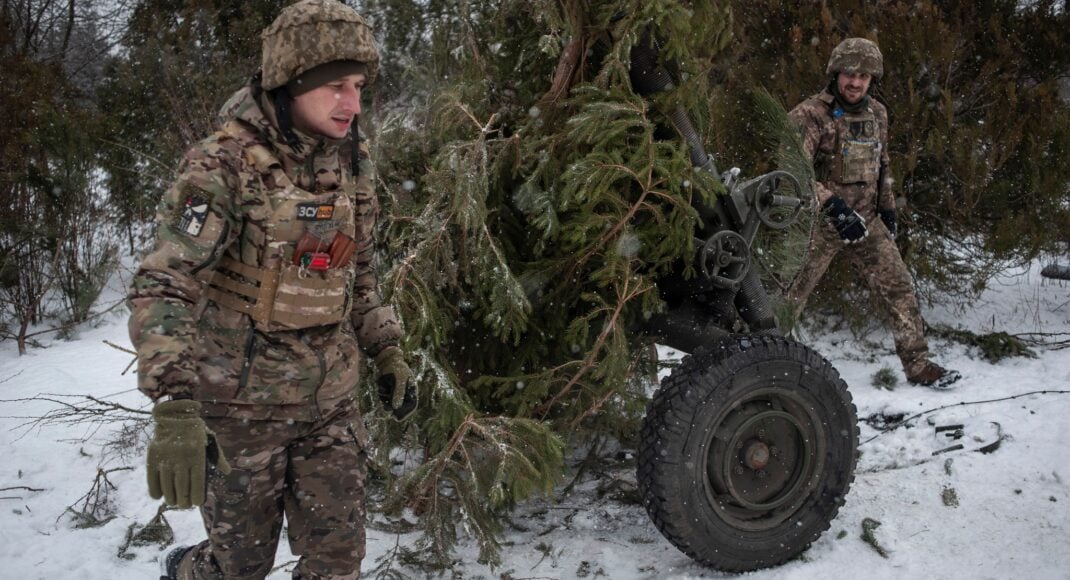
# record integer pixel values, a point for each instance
(748, 448)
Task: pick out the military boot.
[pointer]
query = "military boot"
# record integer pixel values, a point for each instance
(176, 565)
(932, 375)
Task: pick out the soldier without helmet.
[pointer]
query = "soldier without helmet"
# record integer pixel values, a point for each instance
(845, 132)
(252, 313)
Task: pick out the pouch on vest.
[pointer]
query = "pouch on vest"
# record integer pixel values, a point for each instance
(861, 160)
(338, 251)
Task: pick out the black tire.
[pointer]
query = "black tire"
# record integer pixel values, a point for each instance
(747, 452)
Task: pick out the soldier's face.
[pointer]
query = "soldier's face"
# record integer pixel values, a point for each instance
(853, 86)
(328, 110)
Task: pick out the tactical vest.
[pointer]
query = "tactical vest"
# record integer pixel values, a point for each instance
(856, 154)
(277, 290)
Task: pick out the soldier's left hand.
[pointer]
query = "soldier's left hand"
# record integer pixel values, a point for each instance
(397, 389)
(178, 455)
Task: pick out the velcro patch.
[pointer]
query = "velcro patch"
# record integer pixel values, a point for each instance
(315, 211)
(194, 214)
(862, 129)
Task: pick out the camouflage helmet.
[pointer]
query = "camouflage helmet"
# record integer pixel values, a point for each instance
(856, 55)
(309, 33)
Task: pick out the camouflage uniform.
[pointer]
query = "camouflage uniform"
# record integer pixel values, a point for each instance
(223, 311)
(849, 148)
(315, 471)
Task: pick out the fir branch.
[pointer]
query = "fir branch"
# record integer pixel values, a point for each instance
(778, 254)
(536, 242)
(568, 64)
(611, 326)
(488, 463)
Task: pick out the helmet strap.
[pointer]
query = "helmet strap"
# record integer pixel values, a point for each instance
(284, 114)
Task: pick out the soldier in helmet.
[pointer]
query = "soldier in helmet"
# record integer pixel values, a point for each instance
(845, 132)
(255, 308)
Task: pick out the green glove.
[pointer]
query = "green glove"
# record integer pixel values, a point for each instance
(179, 452)
(397, 390)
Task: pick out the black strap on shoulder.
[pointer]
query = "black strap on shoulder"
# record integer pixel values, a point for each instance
(832, 89)
(876, 91)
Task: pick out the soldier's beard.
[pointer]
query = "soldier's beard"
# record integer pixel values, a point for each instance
(853, 94)
(850, 107)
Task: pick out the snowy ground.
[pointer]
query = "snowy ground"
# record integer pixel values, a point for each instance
(1012, 517)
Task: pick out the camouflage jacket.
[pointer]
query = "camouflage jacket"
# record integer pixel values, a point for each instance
(213, 213)
(849, 152)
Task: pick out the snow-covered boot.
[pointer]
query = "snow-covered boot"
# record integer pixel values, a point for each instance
(169, 565)
(934, 376)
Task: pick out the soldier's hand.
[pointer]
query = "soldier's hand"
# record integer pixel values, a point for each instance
(179, 452)
(888, 217)
(850, 225)
(397, 389)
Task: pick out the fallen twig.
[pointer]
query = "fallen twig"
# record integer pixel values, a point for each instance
(77, 410)
(906, 421)
(126, 350)
(592, 456)
(97, 508)
(1042, 339)
(71, 325)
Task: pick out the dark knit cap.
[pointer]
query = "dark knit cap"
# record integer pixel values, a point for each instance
(323, 74)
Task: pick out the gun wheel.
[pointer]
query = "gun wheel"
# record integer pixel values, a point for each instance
(748, 451)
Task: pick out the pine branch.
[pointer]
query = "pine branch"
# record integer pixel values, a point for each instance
(488, 463)
(611, 326)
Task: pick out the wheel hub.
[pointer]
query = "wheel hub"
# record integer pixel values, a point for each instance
(763, 457)
(756, 455)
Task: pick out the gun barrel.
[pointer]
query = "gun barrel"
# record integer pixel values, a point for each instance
(786, 201)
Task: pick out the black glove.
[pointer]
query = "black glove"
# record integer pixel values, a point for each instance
(850, 225)
(888, 217)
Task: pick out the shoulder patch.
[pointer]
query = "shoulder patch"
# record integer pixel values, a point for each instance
(194, 214)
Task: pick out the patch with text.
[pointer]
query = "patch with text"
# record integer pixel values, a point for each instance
(315, 211)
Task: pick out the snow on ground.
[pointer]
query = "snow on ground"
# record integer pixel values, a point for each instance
(1012, 517)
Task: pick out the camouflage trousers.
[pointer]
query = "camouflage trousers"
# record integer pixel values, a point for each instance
(877, 259)
(313, 473)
